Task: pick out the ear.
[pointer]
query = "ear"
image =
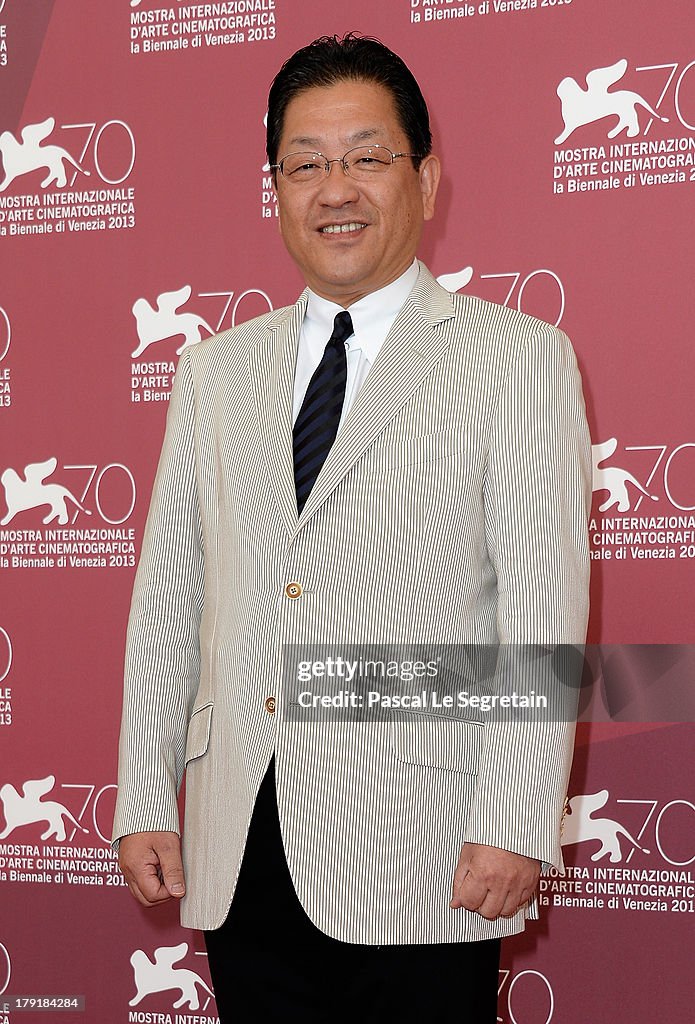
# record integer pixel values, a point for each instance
(429, 173)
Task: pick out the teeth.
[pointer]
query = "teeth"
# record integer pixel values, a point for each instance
(334, 229)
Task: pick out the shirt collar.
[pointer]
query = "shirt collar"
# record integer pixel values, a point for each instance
(372, 316)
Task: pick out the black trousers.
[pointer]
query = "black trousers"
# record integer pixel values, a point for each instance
(269, 962)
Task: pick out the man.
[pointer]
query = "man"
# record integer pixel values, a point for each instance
(382, 462)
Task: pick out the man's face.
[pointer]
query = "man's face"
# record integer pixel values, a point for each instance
(386, 214)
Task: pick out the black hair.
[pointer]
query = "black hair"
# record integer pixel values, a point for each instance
(353, 57)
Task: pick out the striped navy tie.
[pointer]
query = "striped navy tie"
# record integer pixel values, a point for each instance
(317, 423)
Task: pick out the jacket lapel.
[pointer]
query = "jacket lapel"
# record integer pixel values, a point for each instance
(271, 365)
(412, 348)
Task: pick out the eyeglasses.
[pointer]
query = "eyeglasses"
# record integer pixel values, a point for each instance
(362, 163)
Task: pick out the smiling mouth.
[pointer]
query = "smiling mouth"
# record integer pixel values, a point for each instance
(342, 229)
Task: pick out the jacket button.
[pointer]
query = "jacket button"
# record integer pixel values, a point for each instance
(270, 705)
(293, 590)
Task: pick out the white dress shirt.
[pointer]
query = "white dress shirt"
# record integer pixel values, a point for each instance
(372, 319)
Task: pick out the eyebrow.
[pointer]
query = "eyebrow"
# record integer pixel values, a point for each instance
(362, 136)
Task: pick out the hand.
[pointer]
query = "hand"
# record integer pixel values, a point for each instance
(494, 882)
(152, 866)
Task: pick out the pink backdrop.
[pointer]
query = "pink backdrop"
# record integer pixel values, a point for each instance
(162, 110)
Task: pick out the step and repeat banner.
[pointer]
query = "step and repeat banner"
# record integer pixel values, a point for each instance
(136, 218)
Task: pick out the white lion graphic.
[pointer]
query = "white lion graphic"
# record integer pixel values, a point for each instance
(160, 976)
(583, 106)
(580, 827)
(32, 492)
(29, 809)
(613, 479)
(164, 322)
(29, 155)
(459, 279)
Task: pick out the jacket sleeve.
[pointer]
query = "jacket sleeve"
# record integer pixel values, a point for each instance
(537, 498)
(162, 652)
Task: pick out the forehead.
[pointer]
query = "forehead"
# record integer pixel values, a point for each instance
(348, 113)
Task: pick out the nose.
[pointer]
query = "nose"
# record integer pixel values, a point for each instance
(337, 187)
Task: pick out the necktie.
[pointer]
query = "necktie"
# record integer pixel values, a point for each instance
(317, 422)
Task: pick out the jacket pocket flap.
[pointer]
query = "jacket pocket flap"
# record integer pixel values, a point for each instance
(451, 743)
(198, 735)
(416, 450)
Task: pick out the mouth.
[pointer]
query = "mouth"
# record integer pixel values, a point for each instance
(342, 229)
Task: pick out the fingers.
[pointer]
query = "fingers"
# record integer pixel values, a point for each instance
(493, 883)
(473, 894)
(171, 868)
(152, 867)
(512, 905)
(461, 876)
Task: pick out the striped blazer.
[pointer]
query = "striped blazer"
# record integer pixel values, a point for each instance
(451, 509)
